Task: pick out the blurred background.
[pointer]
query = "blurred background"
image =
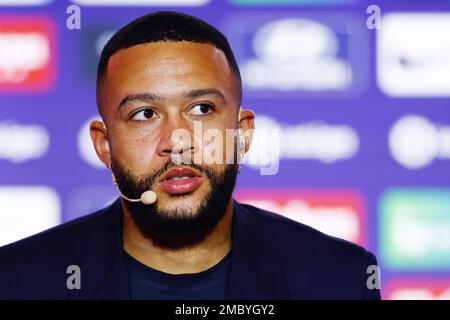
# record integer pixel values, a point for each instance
(361, 105)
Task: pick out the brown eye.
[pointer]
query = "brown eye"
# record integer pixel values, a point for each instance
(201, 109)
(143, 115)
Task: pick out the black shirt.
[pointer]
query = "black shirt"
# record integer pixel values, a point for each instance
(147, 283)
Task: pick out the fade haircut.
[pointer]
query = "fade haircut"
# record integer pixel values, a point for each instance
(166, 26)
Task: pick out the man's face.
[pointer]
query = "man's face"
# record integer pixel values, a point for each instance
(149, 91)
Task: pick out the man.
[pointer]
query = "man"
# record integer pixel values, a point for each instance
(176, 232)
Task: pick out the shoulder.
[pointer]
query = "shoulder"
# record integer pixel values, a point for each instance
(46, 254)
(285, 232)
(327, 263)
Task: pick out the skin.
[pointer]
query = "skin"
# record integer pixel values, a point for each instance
(169, 70)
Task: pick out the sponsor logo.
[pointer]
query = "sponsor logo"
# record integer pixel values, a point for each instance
(23, 2)
(19, 143)
(141, 2)
(294, 56)
(19, 218)
(415, 229)
(418, 289)
(413, 54)
(415, 142)
(337, 213)
(315, 140)
(27, 54)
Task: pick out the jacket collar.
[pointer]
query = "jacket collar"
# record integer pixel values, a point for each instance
(254, 272)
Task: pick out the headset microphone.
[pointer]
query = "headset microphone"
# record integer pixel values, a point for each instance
(147, 198)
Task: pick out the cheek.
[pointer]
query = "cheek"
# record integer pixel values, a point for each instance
(136, 150)
(219, 144)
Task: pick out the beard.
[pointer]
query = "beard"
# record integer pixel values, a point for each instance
(182, 226)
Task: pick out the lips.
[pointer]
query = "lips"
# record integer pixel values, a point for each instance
(180, 180)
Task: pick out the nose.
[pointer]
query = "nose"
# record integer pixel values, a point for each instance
(176, 140)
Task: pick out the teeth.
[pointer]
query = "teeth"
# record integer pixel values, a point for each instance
(180, 178)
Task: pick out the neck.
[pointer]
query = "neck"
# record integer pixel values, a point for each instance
(193, 259)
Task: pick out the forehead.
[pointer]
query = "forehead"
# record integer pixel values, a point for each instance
(167, 68)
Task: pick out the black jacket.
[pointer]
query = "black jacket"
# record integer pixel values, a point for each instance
(272, 258)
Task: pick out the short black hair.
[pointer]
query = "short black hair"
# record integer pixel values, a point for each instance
(169, 26)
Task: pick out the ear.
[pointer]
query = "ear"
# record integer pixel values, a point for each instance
(247, 124)
(99, 137)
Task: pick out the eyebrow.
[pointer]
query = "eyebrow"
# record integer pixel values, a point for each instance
(151, 97)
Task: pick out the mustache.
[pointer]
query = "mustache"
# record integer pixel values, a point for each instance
(133, 186)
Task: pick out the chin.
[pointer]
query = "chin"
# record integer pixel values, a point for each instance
(184, 204)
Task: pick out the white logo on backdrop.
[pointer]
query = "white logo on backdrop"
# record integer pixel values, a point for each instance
(415, 142)
(314, 140)
(19, 143)
(339, 221)
(20, 219)
(413, 54)
(296, 54)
